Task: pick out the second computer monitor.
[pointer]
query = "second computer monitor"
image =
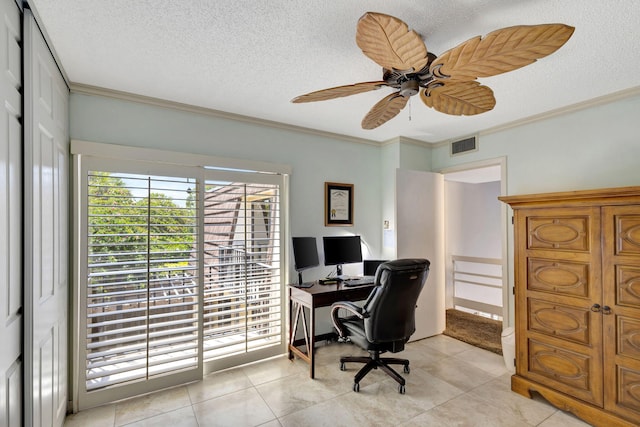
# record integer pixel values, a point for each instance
(370, 266)
(340, 250)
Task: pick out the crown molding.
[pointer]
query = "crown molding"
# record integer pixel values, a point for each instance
(127, 96)
(405, 140)
(157, 102)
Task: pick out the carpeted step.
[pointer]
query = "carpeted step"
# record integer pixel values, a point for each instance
(476, 330)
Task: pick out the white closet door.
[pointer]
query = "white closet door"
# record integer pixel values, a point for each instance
(10, 217)
(46, 171)
(420, 234)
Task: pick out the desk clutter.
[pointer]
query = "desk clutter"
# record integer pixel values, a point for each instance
(349, 282)
(337, 250)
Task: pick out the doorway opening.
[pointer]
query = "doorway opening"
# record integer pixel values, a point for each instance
(475, 285)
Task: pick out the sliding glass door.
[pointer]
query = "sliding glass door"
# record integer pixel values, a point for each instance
(179, 275)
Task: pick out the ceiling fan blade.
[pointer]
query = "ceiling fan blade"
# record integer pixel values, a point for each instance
(386, 109)
(459, 98)
(338, 92)
(500, 51)
(388, 41)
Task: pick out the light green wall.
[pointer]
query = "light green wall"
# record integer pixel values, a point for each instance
(414, 157)
(314, 159)
(390, 159)
(398, 154)
(596, 147)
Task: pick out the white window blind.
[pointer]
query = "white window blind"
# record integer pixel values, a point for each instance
(142, 286)
(242, 284)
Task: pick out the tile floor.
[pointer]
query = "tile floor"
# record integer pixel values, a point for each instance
(451, 384)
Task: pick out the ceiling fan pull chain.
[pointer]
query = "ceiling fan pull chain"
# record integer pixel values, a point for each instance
(409, 109)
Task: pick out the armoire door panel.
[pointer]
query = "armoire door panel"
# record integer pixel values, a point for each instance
(627, 235)
(568, 233)
(628, 337)
(558, 277)
(627, 282)
(628, 393)
(621, 272)
(569, 371)
(560, 321)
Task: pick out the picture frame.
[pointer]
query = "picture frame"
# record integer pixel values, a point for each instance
(338, 204)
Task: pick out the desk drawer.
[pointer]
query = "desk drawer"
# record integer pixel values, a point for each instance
(355, 294)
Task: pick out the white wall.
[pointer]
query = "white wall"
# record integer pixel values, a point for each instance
(473, 223)
(596, 147)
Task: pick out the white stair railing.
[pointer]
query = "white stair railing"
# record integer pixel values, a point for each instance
(477, 285)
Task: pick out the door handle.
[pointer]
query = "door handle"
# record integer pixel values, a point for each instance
(595, 308)
(606, 310)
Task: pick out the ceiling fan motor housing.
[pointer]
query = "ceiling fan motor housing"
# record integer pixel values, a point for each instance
(409, 88)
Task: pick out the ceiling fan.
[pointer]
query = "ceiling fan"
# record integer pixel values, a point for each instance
(447, 82)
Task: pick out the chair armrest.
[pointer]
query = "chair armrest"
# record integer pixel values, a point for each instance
(351, 308)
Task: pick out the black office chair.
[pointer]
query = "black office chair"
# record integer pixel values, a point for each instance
(386, 320)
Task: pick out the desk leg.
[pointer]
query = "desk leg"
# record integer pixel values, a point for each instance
(293, 325)
(309, 331)
(312, 345)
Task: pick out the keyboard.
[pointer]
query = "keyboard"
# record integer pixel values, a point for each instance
(358, 282)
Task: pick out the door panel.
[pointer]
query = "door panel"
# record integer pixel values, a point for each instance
(46, 170)
(10, 217)
(420, 225)
(558, 281)
(621, 272)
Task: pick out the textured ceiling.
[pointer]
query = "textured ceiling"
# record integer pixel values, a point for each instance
(252, 57)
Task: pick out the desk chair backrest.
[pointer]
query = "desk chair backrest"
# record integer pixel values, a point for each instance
(391, 305)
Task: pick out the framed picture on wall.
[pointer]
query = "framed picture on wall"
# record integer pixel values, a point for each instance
(338, 204)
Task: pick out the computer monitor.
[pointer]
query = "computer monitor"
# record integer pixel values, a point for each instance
(370, 266)
(305, 254)
(340, 250)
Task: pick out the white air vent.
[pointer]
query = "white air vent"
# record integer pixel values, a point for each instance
(463, 146)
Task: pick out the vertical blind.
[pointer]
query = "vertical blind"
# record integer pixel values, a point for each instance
(142, 285)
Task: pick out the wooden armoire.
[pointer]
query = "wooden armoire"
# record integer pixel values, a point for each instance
(577, 301)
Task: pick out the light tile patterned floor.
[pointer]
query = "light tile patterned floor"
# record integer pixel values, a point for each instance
(451, 384)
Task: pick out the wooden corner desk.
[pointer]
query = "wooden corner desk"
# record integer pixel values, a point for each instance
(316, 296)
